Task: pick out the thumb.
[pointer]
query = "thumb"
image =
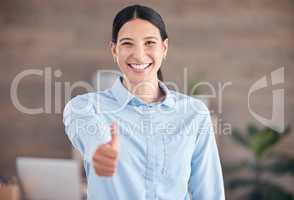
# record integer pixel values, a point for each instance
(114, 137)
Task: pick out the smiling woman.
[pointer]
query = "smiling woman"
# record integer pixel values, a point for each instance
(139, 44)
(156, 37)
(161, 143)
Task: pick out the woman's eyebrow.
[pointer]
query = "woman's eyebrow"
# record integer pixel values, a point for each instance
(145, 38)
(151, 37)
(125, 39)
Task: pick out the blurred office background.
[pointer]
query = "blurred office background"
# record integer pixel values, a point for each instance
(216, 41)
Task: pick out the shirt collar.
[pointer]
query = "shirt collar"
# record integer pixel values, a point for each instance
(124, 97)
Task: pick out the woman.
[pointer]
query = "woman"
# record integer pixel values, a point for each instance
(160, 144)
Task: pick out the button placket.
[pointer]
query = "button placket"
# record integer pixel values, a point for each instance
(150, 156)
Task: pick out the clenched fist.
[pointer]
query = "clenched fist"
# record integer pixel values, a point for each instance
(106, 155)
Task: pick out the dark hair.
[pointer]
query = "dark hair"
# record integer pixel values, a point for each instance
(139, 12)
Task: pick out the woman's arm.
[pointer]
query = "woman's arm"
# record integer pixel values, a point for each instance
(206, 180)
(83, 126)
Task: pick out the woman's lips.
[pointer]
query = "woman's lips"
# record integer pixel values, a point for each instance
(139, 67)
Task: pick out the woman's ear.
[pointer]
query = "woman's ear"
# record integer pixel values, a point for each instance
(165, 45)
(112, 46)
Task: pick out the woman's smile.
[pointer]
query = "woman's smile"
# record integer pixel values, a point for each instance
(139, 68)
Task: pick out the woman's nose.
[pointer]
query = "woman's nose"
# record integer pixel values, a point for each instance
(139, 53)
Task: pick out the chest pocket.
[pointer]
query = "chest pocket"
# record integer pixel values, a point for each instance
(177, 149)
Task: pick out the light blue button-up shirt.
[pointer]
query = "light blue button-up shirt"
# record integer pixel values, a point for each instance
(167, 149)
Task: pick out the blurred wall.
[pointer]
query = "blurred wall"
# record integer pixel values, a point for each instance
(220, 41)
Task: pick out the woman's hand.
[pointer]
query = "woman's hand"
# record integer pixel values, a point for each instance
(106, 155)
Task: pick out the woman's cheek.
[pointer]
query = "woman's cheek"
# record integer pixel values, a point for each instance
(158, 54)
(122, 57)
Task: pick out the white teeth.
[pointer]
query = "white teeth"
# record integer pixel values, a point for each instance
(139, 66)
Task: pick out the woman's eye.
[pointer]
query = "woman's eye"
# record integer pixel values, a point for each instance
(149, 43)
(127, 43)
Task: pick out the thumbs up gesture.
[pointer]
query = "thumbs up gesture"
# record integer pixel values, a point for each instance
(106, 155)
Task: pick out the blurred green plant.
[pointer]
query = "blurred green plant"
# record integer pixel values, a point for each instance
(264, 160)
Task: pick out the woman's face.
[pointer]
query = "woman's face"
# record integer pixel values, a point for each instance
(139, 50)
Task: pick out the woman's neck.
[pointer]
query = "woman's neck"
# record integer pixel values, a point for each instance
(148, 91)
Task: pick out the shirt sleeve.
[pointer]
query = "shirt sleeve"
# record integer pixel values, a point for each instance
(83, 126)
(206, 180)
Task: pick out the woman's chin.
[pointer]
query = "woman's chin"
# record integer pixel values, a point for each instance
(137, 79)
